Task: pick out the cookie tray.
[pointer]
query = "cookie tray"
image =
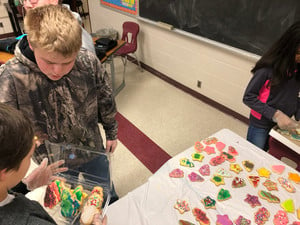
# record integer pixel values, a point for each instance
(292, 144)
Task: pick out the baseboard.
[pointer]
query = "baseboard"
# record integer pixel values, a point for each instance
(190, 91)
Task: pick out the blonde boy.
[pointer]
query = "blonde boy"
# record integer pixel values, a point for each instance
(62, 88)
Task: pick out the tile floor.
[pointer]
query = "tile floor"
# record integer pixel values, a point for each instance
(171, 118)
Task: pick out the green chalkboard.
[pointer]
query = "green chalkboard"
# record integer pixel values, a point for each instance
(251, 25)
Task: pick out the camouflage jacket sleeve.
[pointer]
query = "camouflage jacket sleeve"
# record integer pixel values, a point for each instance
(8, 93)
(106, 103)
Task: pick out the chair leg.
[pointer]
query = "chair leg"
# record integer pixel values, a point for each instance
(138, 62)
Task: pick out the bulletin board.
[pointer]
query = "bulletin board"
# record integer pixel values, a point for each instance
(127, 6)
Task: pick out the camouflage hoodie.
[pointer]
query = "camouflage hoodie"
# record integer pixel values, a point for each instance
(67, 110)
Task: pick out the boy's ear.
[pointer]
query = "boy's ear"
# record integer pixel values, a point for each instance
(2, 174)
(30, 46)
(54, 2)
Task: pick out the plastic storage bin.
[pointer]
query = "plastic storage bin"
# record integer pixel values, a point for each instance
(86, 168)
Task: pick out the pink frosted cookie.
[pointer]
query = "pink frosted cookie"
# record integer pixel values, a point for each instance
(232, 151)
(223, 220)
(210, 140)
(199, 146)
(176, 173)
(209, 203)
(288, 205)
(228, 157)
(261, 216)
(204, 170)
(209, 150)
(242, 221)
(197, 156)
(270, 185)
(281, 218)
(186, 162)
(217, 160)
(278, 169)
(235, 168)
(220, 146)
(296, 223)
(286, 185)
(182, 206)
(238, 182)
(194, 177)
(252, 200)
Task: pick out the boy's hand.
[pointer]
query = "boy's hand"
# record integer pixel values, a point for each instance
(43, 174)
(111, 146)
(97, 220)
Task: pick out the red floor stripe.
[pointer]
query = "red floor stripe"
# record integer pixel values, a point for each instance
(149, 153)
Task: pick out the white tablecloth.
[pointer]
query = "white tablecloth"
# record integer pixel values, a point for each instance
(153, 202)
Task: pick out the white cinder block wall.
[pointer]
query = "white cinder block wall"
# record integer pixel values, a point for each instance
(224, 73)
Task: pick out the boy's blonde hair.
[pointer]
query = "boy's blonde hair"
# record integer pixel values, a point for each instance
(53, 28)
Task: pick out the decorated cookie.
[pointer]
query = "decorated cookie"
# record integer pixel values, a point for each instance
(217, 180)
(217, 160)
(186, 162)
(228, 157)
(298, 213)
(261, 216)
(201, 216)
(270, 185)
(252, 200)
(223, 195)
(238, 182)
(254, 180)
(184, 222)
(248, 165)
(199, 146)
(223, 220)
(197, 156)
(296, 223)
(294, 177)
(210, 140)
(232, 151)
(281, 218)
(235, 168)
(263, 172)
(194, 177)
(222, 172)
(209, 203)
(220, 146)
(278, 169)
(52, 195)
(268, 196)
(288, 205)
(286, 184)
(204, 170)
(176, 173)
(182, 206)
(209, 150)
(242, 221)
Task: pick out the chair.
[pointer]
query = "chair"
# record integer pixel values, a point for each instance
(129, 35)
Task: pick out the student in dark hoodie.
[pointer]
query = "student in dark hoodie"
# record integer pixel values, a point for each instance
(17, 147)
(273, 92)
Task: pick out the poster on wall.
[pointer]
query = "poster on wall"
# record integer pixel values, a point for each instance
(128, 6)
